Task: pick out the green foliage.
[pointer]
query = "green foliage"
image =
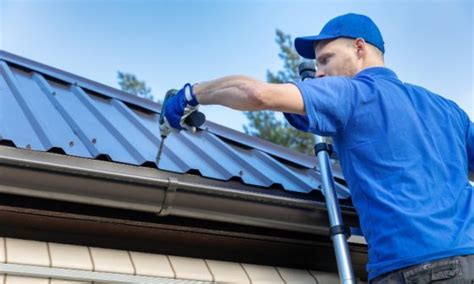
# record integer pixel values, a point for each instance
(130, 83)
(290, 59)
(265, 124)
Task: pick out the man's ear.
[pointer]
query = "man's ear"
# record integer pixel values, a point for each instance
(360, 46)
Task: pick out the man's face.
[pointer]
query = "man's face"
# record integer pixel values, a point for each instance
(336, 57)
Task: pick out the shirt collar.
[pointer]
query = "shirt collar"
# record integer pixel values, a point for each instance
(377, 71)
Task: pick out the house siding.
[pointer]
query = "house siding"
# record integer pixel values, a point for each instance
(31, 253)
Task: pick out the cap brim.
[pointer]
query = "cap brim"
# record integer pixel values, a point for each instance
(305, 45)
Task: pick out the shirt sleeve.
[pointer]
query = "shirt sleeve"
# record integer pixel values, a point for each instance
(328, 104)
(470, 147)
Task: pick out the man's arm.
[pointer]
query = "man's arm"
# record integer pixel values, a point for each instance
(248, 94)
(471, 176)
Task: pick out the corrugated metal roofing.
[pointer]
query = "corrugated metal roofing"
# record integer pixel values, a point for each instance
(46, 109)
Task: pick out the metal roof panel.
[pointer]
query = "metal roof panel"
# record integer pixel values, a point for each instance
(44, 108)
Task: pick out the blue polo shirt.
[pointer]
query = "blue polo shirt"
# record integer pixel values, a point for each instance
(405, 153)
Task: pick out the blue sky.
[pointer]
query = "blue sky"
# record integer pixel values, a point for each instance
(169, 43)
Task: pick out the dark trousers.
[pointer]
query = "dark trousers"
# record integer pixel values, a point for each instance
(458, 269)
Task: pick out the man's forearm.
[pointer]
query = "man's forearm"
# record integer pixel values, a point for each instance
(237, 92)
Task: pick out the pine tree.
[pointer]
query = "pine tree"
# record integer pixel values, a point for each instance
(130, 83)
(265, 124)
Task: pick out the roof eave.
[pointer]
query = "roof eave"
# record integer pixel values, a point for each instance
(93, 182)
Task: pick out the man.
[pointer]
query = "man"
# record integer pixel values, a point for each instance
(405, 152)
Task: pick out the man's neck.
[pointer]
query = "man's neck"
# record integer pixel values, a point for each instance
(372, 63)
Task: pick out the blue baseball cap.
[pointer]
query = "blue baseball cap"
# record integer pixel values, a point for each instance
(348, 26)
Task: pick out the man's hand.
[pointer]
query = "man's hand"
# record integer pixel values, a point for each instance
(180, 106)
